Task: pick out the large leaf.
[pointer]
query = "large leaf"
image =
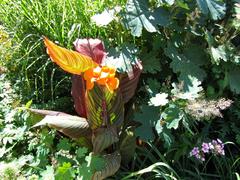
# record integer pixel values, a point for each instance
(103, 107)
(123, 59)
(71, 126)
(78, 92)
(112, 162)
(216, 8)
(187, 63)
(48, 112)
(93, 48)
(128, 85)
(148, 117)
(103, 138)
(138, 16)
(70, 61)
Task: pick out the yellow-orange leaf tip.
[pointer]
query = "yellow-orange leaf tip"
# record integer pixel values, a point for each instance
(70, 61)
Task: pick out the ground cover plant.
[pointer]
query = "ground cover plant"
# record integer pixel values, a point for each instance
(155, 89)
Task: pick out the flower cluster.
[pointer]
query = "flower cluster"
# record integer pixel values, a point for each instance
(215, 146)
(103, 76)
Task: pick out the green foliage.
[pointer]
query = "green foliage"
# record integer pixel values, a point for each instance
(189, 50)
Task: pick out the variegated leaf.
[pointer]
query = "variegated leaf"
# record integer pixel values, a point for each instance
(113, 162)
(103, 107)
(72, 126)
(103, 138)
(70, 61)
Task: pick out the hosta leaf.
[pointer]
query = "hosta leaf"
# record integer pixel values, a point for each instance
(128, 85)
(138, 16)
(103, 138)
(128, 145)
(93, 48)
(103, 107)
(70, 61)
(71, 126)
(78, 92)
(148, 118)
(215, 8)
(112, 162)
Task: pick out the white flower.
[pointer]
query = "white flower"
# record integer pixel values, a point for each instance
(160, 99)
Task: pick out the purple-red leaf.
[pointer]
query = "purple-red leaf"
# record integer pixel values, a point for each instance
(93, 48)
(78, 94)
(128, 84)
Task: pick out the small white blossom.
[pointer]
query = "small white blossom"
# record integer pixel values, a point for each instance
(160, 99)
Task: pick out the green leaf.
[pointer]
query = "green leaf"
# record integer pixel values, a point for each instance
(188, 63)
(215, 8)
(189, 88)
(122, 58)
(127, 145)
(219, 54)
(151, 63)
(71, 126)
(103, 138)
(172, 116)
(112, 164)
(81, 152)
(95, 162)
(148, 117)
(169, 2)
(103, 107)
(64, 144)
(65, 172)
(138, 16)
(234, 77)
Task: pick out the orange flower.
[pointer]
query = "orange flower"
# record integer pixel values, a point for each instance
(103, 76)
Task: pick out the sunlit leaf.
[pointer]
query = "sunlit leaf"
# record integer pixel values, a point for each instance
(71, 126)
(216, 8)
(104, 107)
(138, 16)
(70, 61)
(92, 48)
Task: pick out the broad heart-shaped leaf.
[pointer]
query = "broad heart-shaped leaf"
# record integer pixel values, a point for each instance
(103, 107)
(148, 118)
(138, 16)
(128, 85)
(70, 61)
(72, 126)
(78, 92)
(188, 63)
(216, 8)
(112, 164)
(103, 138)
(123, 59)
(93, 48)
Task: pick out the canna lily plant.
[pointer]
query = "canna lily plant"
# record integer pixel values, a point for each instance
(100, 93)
